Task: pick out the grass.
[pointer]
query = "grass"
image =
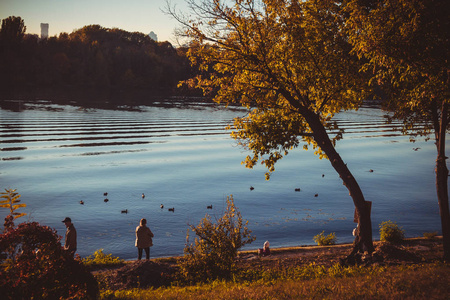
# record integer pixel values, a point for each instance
(421, 281)
(414, 271)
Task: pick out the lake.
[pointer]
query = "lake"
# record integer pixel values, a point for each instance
(182, 157)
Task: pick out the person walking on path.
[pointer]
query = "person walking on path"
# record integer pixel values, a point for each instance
(143, 239)
(70, 243)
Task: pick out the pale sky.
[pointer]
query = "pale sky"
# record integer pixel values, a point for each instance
(68, 15)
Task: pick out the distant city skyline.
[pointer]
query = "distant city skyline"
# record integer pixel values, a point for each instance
(143, 16)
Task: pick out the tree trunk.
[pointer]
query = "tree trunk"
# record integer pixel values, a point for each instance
(363, 240)
(441, 180)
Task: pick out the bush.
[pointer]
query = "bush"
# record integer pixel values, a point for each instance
(100, 259)
(430, 235)
(390, 232)
(34, 266)
(323, 240)
(213, 253)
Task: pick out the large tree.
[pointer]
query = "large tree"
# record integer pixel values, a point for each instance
(290, 62)
(406, 44)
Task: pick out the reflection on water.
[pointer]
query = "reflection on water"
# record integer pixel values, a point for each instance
(182, 158)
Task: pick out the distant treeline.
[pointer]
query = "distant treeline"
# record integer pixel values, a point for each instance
(91, 57)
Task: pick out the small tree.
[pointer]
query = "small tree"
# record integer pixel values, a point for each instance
(11, 200)
(215, 248)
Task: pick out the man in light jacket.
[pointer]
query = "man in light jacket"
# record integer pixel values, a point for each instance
(143, 239)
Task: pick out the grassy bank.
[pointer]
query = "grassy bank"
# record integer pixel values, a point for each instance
(412, 270)
(424, 281)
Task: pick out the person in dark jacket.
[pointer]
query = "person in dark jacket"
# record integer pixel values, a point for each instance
(143, 239)
(70, 243)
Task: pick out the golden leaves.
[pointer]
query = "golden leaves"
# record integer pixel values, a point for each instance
(281, 59)
(11, 198)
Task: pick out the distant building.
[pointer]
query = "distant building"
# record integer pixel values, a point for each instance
(44, 30)
(153, 36)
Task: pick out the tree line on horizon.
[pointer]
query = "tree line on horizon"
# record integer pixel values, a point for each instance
(90, 57)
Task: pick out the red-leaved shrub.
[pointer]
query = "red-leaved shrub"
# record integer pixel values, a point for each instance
(34, 266)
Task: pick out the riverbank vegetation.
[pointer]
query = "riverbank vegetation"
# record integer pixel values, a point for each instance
(213, 269)
(412, 269)
(399, 282)
(32, 259)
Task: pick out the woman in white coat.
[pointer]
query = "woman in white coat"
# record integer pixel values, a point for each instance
(143, 239)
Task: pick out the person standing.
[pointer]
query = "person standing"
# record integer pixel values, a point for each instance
(70, 243)
(143, 239)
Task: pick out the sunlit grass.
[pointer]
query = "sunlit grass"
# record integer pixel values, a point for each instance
(314, 282)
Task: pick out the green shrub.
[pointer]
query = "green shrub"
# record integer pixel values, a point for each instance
(430, 235)
(213, 253)
(390, 232)
(33, 265)
(323, 240)
(101, 259)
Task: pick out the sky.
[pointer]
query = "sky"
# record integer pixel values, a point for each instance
(68, 15)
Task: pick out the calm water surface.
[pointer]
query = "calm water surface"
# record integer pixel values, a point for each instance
(57, 155)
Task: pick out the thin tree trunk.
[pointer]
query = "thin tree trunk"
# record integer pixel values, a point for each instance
(364, 238)
(441, 180)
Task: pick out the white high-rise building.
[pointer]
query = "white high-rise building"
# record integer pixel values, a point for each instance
(153, 36)
(44, 30)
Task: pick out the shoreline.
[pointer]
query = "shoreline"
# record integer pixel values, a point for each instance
(158, 272)
(311, 250)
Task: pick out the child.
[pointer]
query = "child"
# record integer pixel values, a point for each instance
(265, 250)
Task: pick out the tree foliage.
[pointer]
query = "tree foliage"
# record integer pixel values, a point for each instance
(12, 32)
(34, 266)
(90, 57)
(406, 44)
(213, 253)
(291, 64)
(282, 57)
